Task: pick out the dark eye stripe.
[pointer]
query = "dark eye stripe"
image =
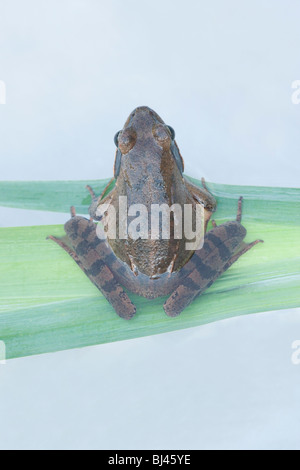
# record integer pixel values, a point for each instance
(172, 132)
(116, 139)
(177, 156)
(117, 163)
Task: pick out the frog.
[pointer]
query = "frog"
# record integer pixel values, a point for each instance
(149, 170)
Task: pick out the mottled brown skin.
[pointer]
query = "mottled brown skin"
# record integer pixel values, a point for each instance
(149, 174)
(148, 170)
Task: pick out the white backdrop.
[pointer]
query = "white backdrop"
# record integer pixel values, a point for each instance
(220, 73)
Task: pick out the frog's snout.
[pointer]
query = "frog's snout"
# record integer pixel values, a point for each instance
(144, 114)
(141, 110)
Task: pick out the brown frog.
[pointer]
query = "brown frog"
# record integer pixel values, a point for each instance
(148, 171)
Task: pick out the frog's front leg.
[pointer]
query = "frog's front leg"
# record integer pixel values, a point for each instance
(203, 196)
(96, 199)
(223, 245)
(92, 255)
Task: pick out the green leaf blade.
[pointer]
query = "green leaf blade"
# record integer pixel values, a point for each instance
(48, 304)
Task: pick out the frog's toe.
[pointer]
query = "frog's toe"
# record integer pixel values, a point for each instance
(91, 191)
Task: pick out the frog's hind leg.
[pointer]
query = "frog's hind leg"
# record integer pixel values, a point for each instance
(84, 246)
(223, 245)
(65, 244)
(243, 247)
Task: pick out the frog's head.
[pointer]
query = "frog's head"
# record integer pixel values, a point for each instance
(144, 139)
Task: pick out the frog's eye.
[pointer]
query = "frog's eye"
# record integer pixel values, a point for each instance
(161, 134)
(172, 132)
(127, 140)
(116, 139)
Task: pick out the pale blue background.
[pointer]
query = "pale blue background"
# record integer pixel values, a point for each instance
(219, 72)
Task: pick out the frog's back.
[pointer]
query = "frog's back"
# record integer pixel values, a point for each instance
(148, 172)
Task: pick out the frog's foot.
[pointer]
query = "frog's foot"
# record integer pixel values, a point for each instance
(223, 245)
(72, 211)
(203, 182)
(239, 210)
(244, 247)
(238, 215)
(92, 192)
(204, 197)
(65, 243)
(97, 199)
(94, 204)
